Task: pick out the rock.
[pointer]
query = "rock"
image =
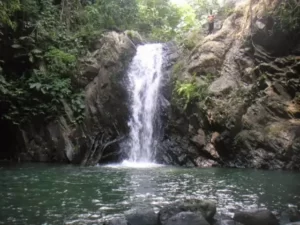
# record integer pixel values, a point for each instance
(294, 214)
(252, 95)
(210, 148)
(101, 74)
(205, 208)
(203, 162)
(199, 139)
(213, 137)
(222, 85)
(116, 221)
(187, 218)
(141, 216)
(177, 150)
(262, 217)
(135, 37)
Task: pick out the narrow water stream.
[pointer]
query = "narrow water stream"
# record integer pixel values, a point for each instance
(54, 194)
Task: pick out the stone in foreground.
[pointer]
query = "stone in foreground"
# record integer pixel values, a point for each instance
(141, 216)
(205, 208)
(261, 217)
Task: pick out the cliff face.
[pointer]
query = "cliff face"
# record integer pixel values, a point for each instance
(102, 76)
(250, 115)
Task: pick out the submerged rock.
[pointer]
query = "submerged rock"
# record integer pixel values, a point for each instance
(261, 217)
(141, 216)
(187, 218)
(205, 208)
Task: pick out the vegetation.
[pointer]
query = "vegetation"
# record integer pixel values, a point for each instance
(42, 41)
(190, 91)
(287, 16)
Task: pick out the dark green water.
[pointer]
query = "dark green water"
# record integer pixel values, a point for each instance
(52, 194)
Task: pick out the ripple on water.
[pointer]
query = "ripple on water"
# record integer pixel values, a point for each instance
(78, 195)
(138, 165)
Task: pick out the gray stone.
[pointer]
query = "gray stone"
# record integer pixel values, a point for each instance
(223, 85)
(205, 208)
(141, 216)
(199, 139)
(261, 217)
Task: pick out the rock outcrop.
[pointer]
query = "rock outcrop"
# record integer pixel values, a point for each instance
(250, 115)
(203, 208)
(262, 217)
(102, 77)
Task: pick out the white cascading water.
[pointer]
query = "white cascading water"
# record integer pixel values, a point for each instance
(144, 76)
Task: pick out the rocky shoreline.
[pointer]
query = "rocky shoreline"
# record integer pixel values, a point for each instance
(201, 212)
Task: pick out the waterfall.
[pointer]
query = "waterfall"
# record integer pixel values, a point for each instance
(144, 76)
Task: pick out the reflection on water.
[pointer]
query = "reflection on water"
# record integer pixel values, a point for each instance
(38, 193)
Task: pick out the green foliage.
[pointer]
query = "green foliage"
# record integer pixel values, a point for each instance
(287, 15)
(191, 40)
(109, 14)
(178, 67)
(190, 91)
(59, 61)
(8, 8)
(40, 96)
(42, 41)
(205, 6)
(158, 19)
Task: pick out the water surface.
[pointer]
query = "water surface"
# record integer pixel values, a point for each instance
(55, 194)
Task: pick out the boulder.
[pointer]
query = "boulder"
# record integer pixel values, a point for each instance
(260, 217)
(223, 85)
(290, 215)
(294, 214)
(205, 208)
(203, 162)
(187, 218)
(141, 216)
(214, 136)
(199, 139)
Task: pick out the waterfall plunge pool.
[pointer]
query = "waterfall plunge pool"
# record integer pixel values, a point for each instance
(59, 194)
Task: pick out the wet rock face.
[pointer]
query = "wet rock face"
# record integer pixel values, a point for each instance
(102, 75)
(251, 117)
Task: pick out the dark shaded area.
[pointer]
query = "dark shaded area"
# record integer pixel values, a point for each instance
(8, 140)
